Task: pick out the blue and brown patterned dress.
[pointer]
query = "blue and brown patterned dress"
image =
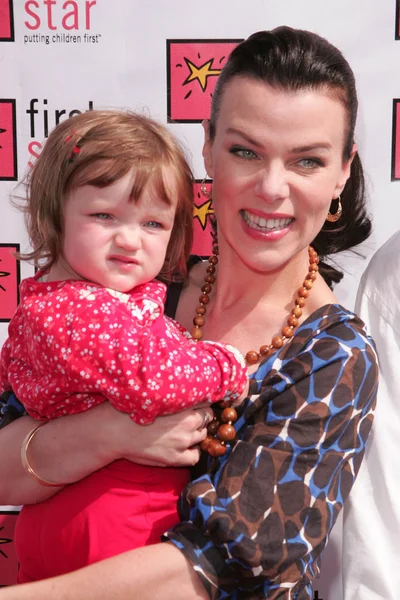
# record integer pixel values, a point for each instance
(254, 525)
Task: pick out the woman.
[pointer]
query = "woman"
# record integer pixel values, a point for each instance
(286, 174)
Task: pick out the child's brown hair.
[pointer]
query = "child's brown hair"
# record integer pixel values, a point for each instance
(98, 148)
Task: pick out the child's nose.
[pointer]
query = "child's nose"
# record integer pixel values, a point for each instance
(128, 238)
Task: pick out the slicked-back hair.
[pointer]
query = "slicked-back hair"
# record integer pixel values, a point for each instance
(295, 60)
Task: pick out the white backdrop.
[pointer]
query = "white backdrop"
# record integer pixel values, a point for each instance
(58, 55)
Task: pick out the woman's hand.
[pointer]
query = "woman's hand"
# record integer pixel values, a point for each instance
(172, 440)
(70, 448)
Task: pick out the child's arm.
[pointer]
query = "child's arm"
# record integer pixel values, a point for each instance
(122, 348)
(150, 368)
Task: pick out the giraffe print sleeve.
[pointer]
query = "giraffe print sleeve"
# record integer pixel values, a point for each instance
(255, 525)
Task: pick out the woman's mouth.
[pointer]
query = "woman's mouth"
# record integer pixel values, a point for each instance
(262, 224)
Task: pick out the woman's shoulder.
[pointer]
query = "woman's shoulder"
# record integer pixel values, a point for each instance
(334, 324)
(330, 351)
(331, 333)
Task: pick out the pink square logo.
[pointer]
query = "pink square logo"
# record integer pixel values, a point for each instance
(193, 67)
(202, 211)
(6, 21)
(9, 281)
(8, 556)
(8, 141)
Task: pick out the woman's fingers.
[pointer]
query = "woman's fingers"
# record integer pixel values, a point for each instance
(204, 416)
(172, 440)
(190, 457)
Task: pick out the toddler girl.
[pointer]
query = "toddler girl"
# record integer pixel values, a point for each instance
(109, 208)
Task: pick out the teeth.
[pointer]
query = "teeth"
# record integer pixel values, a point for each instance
(267, 224)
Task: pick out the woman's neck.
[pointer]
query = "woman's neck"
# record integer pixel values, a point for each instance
(248, 308)
(238, 284)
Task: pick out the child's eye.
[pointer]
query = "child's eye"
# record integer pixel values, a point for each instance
(101, 216)
(153, 225)
(243, 153)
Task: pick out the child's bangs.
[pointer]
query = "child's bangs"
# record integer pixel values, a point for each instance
(104, 172)
(153, 177)
(99, 173)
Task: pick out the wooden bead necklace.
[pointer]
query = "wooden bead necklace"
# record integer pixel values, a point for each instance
(215, 446)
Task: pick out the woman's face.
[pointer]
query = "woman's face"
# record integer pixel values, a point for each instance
(277, 163)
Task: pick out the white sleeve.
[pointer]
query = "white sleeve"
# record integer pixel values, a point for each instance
(371, 535)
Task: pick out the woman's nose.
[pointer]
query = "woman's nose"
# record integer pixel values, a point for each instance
(272, 184)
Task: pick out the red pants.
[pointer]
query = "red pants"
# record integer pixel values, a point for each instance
(120, 507)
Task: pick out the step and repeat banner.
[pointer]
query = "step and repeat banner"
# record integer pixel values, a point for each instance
(162, 58)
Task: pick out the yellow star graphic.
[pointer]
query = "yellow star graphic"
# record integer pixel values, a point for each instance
(201, 212)
(200, 73)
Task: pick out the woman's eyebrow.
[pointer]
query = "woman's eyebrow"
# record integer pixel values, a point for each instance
(244, 136)
(321, 146)
(324, 146)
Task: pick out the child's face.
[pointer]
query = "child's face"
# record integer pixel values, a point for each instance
(112, 240)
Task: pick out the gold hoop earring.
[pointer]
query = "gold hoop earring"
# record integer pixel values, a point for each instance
(203, 189)
(332, 218)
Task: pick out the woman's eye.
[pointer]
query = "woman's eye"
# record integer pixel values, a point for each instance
(309, 163)
(243, 153)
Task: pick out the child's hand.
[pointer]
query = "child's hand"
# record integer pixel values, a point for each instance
(244, 394)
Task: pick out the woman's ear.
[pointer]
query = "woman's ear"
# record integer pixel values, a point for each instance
(346, 169)
(207, 149)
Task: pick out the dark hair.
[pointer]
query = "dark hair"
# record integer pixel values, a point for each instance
(294, 60)
(97, 148)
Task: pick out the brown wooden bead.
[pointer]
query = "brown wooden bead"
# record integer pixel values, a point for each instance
(204, 299)
(297, 312)
(197, 333)
(307, 283)
(300, 302)
(229, 414)
(212, 427)
(252, 357)
(215, 448)
(205, 443)
(277, 342)
(224, 404)
(226, 433)
(264, 350)
(302, 292)
(215, 445)
(288, 332)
